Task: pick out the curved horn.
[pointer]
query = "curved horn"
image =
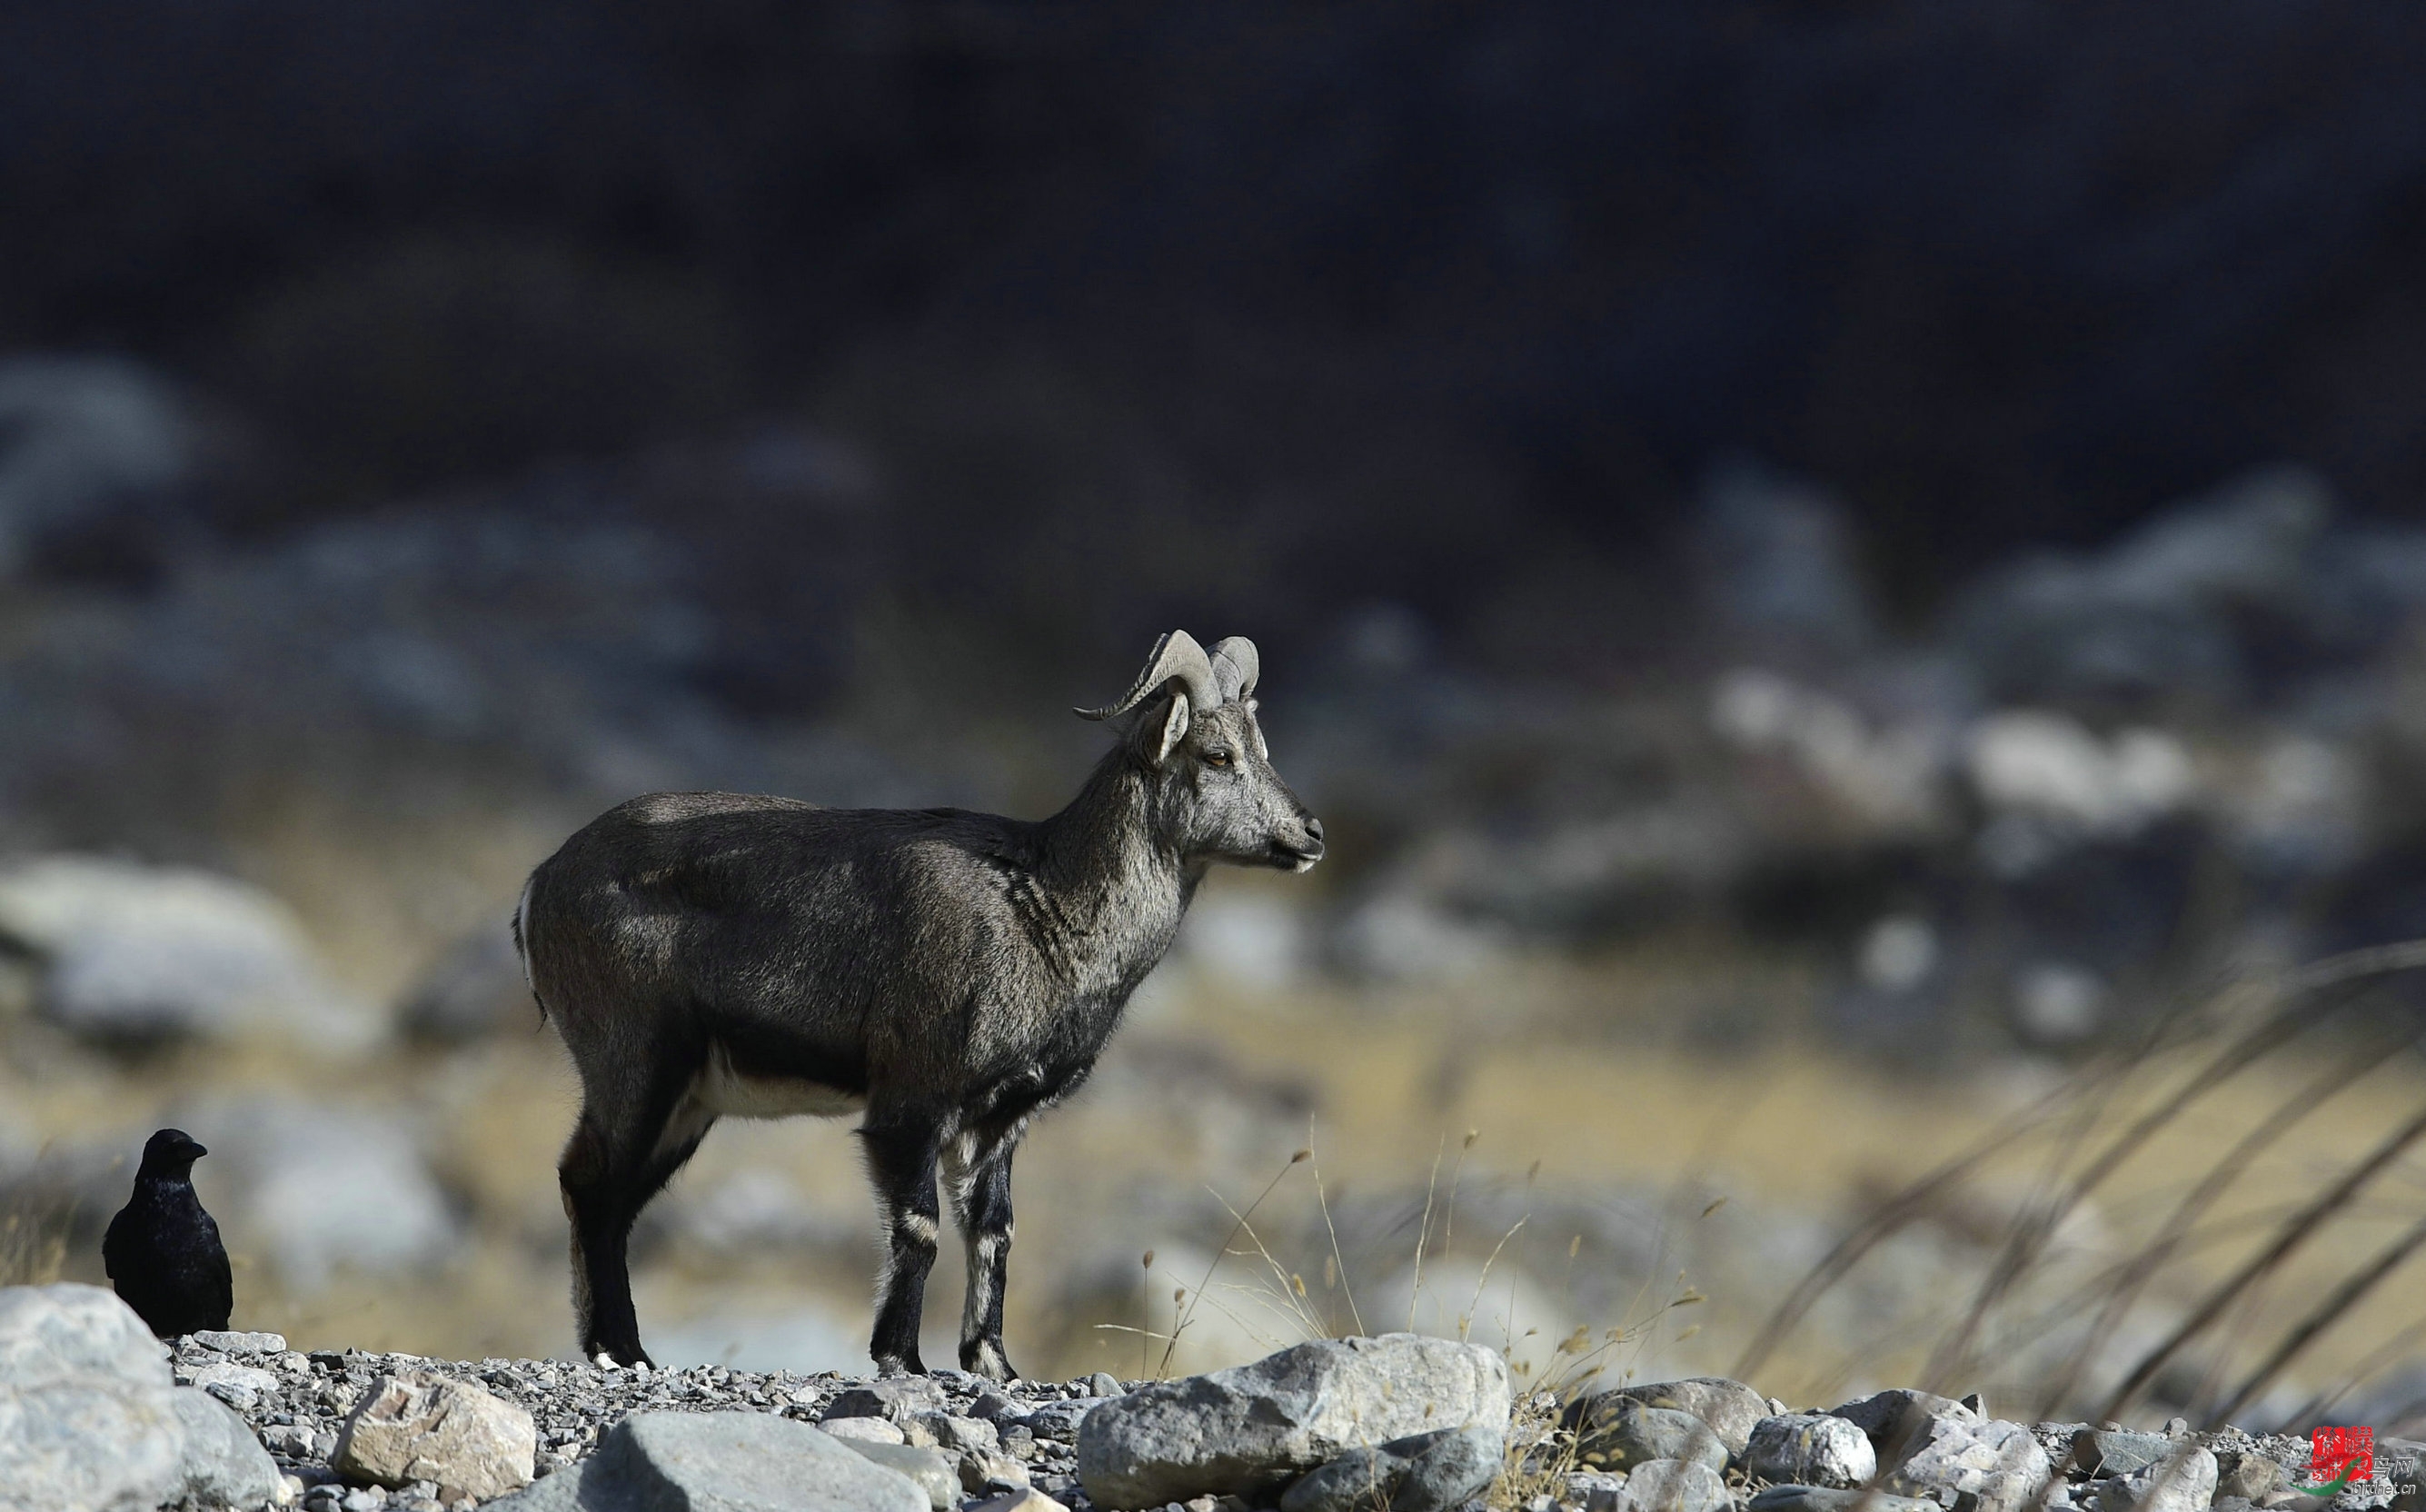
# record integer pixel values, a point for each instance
(1177, 656)
(1234, 666)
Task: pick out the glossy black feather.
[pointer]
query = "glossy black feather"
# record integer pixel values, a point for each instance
(162, 1251)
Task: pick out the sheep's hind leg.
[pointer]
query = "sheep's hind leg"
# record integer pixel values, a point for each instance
(611, 1168)
(901, 1157)
(982, 1207)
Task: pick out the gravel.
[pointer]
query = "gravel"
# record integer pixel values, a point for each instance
(296, 1412)
(296, 1403)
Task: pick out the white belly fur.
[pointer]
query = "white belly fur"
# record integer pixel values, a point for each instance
(728, 1093)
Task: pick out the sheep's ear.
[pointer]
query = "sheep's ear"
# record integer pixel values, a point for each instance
(1175, 727)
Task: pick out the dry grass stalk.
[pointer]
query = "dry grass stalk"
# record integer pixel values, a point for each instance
(2301, 1227)
(2255, 1019)
(2125, 1288)
(2028, 1241)
(1179, 1324)
(2343, 1297)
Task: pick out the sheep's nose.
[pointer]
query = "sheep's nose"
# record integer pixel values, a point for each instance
(1314, 830)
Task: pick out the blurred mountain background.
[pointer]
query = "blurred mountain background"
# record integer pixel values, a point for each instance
(1827, 567)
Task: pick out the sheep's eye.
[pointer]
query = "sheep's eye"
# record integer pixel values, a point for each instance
(1216, 758)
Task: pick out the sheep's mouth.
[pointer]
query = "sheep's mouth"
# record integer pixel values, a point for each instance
(1296, 858)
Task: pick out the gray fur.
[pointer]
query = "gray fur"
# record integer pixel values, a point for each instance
(952, 973)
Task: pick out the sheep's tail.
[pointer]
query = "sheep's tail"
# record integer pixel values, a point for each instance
(522, 944)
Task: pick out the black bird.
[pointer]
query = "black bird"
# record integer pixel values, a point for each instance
(163, 1251)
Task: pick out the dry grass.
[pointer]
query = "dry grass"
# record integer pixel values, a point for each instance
(33, 1246)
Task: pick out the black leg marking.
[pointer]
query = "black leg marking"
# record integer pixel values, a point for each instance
(982, 1207)
(611, 1168)
(901, 1157)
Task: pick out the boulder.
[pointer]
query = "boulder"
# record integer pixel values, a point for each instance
(87, 1418)
(2183, 1481)
(931, 1471)
(420, 1426)
(1426, 1472)
(1810, 1449)
(1026, 1501)
(89, 1421)
(133, 952)
(68, 1332)
(1462, 1465)
(724, 1462)
(1729, 1407)
(1999, 1463)
(1673, 1485)
(88, 1446)
(1253, 1429)
(224, 1464)
(1893, 1418)
(1614, 1432)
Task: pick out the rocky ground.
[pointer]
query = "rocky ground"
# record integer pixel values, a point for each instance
(1698, 1446)
(1021, 1433)
(92, 1419)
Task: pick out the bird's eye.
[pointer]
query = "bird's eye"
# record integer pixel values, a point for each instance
(1216, 758)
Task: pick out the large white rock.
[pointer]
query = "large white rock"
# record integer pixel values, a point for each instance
(88, 1446)
(1809, 1449)
(89, 1421)
(421, 1426)
(1998, 1462)
(224, 1464)
(1253, 1428)
(69, 1332)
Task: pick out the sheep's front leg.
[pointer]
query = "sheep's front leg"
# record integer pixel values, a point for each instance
(901, 1154)
(982, 1207)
